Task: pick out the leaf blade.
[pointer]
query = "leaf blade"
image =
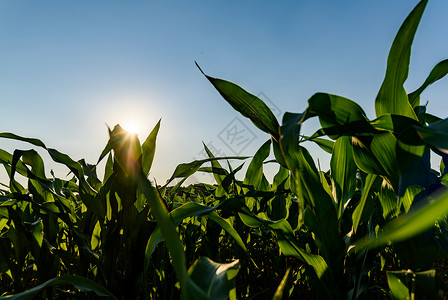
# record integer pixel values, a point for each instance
(392, 97)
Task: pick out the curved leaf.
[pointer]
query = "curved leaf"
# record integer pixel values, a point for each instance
(438, 72)
(398, 289)
(343, 172)
(254, 173)
(191, 210)
(392, 97)
(367, 191)
(149, 148)
(215, 280)
(188, 169)
(338, 115)
(281, 287)
(436, 135)
(81, 283)
(247, 104)
(407, 226)
(218, 171)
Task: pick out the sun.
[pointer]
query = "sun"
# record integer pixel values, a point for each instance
(132, 127)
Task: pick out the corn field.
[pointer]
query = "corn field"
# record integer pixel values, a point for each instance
(373, 226)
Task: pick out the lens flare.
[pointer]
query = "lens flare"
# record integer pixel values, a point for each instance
(132, 127)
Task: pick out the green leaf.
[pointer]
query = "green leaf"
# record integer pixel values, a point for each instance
(377, 155)
(280, 178)
(343, 172)
(438, 72)
(127, 150)
(392, 97)
(289, 247)
(75, 167)
(435, 135)
(247, 104)
(187, 169)
(407, 226)
(218, 171)
(398, 289)
(420, 285)
(254, 173)
(278, 208)
(191, 210)
(409, 196)
(33, 159)
(364, 158)
(430, 119)
(35, 142)
(324, 144)
(224, 224)
(149, 148)
(217, 281)
(7, 158)
(306, 184)
(368, 189)
(384, 147)
(389, 202)
(30, 158)
(281, 288)
(337, 115)
(414, 166)
(402, 127)
(78, 282)
(168, 230)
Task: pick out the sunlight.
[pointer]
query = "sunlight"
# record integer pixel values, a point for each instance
(132, 127)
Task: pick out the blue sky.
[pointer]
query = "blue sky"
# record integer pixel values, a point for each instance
(68, 68)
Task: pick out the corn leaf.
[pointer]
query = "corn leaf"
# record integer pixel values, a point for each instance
(392, 97)
(247, 104)
(217, 281)
(398, 289)
(191, 210)
(403, 128)
(149, 148)
(254, 173)
(343, 172)
(78, 282)
(438, 72)
(289, 247)
(364, 158)
(367, 192)
(435, 135)
(407, 226)
(281, 288)
(188, 169)
(306, 184)
(338, 115)
(219, 173)
(167, 228)
(418, 284)
(324, 144)
(383, 147)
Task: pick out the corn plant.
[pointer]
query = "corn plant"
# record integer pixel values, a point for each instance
(349, 232)
(98, 236)
(380, 184)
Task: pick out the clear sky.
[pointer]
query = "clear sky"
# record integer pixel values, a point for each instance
(68, 68)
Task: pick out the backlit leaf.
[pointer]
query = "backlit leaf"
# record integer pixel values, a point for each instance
(392, 97)
(247, 104)
(149, 148)
(407, 226)
(343, 172)
(438, 72)
(215, 280)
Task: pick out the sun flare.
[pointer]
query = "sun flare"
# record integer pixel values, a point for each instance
(132, 127)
